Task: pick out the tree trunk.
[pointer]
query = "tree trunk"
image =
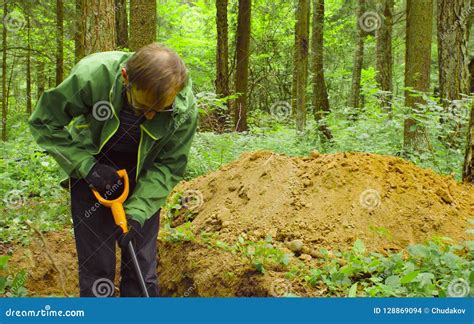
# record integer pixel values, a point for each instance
(121, 23)
(79, 31)
(222, 58)
(383, 49)
(301, 63)
(59, 38)
(28, 66)
(468, 169)
(142, 23)
(96, 29)
(417, 65)
(320, 99)
(40, 80)
(4, 76)
(453, 58)
(358, 57)
(242, 66)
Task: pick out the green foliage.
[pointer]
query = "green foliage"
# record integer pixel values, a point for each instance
(29, 188)
(12, 285)
(262, 253)
(428, 270)
(182, 233)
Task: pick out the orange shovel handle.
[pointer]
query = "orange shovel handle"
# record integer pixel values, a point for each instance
(117, 204)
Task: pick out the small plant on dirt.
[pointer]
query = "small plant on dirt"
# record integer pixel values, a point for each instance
(263, 254)
(182, 233)
(175, 212)
(11, 285)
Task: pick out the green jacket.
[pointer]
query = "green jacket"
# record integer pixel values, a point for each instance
(91, 98)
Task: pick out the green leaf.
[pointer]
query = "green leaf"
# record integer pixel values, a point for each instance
(409, 277)
(4, 261)
(359, 247)
(393, 281)
(353, 290)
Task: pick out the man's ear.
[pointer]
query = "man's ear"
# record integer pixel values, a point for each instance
(124, 74)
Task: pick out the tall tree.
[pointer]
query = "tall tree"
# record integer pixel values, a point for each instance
(453, 58)
(417, 65)
(222, 53)
(4, 75)
(28, 64)
(300, 72)
(358, 56)
(320, 99)
(222, 57)
(383, 49)
(242, 47)
(59, 41)
(121, 23)
(95, 30)
(142, 23)
(468, 169)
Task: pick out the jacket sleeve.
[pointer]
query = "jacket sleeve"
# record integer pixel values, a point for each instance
(53, 112)
(157, 181)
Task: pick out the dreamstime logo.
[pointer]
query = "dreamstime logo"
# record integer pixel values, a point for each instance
(370, 21)
(102, 110)
(458, 288)
(370, 199)
(280, 110)
(103, 287)
(14, 21)
(192, 199)
(280, 288)
(14, 198)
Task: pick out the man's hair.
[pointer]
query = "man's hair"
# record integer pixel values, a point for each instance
(159, 70)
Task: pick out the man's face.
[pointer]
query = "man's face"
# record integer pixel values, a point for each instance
(143, 102)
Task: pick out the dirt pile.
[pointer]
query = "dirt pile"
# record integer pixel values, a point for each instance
(303, 204)
(319, 201)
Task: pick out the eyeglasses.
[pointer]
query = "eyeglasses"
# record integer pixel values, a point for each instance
(146, 109)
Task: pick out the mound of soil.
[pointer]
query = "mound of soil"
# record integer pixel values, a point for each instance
(322, 201)
(304, 204)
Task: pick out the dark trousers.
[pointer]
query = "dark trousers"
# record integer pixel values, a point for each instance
(96, 235)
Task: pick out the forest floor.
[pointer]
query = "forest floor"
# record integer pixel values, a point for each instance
(258, 225)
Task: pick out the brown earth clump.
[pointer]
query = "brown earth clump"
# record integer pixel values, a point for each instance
(304, 204)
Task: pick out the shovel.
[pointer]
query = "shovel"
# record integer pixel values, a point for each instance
(121, 220)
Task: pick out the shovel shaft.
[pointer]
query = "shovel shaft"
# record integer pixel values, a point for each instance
(137, 269)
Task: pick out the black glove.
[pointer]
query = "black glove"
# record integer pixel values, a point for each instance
(102, 178)
(134, 229)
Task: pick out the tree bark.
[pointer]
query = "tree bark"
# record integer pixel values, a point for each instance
(28, 66)
(242, 66)
(79, 31)
(468, 169)
(96, 28)
(320, 99)
(142, 23)
(40, 80)
(453, 58)
(4, 76)
(383, 49)
(222, 57)
(417, 65)
(358, 57)
(59, 44)
(121, 23)
(301, 63)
